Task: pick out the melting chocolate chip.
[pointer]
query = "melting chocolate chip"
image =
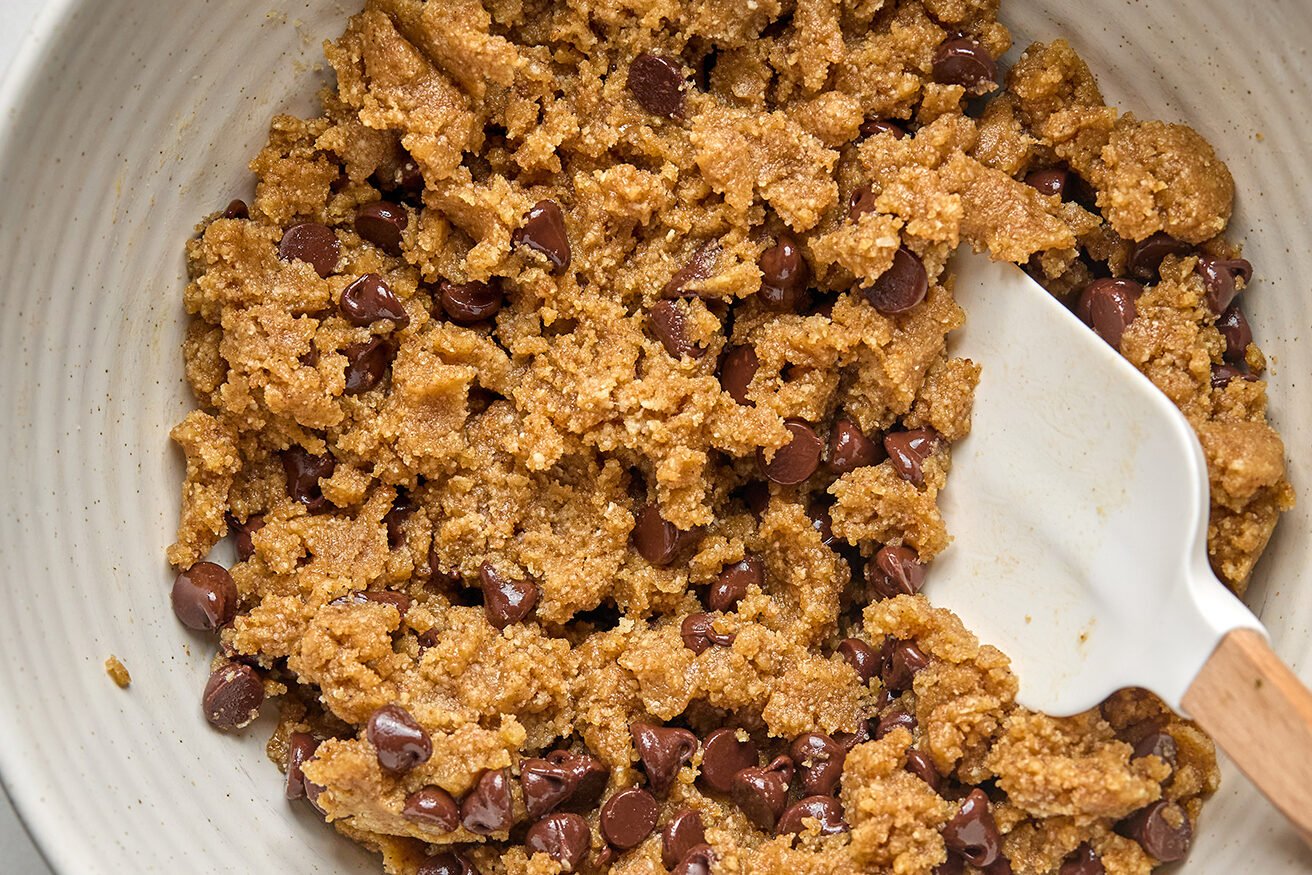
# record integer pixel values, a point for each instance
(488, 808)
(964, 62)
(1051, 182)
(1162, 829)
(1220, 277)
(972, 832)
(1147, 255)
(863, 658)
(762, 791)
(657, 540)
(205, 597)
(544, 231)
(698, 861)
(400, 743)
(312, 243)
(233, 696)
(923, 768)
(669, 322)
(564, 838)
(784, 274)
(446, 863)
(303, 473)
(684, 832)
(370, 299)
(905, 661)
(873, 127)
(1085, 861)
(1109, 306)
(561, 778)
(892, 720)
(796, 460)
(826, 810)
(663, 750)
(237, 210)
(382, 224)
(734, 582)
(506, 600)
(904, 285)
(849, 448)
(658, 84)
(895, 571)
(699, 633)
(367, 364)
(698, 268)
(723, 756)
(819, 761)
(433, 807)
(628, 817)
(737, 370)
(1237, 333)
(472, 302)
(908, 451)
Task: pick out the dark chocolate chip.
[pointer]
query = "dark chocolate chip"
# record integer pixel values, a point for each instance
(561, 778)
(892, 720)
(1051, 182)
(434, 807)
(849, 740)
(723, 756)
(393, 521)
(233, 696)
(628, 817)
(237, 210)
(367, 364)
(399, 742)
(1159, 744)
(1220, 277)
(901, 287)
(698, 633)
(1236, 331)
(1085, 861)
(684, 832)
(734, 582)
(849, 448)
(1108, 305)
(784, 274)
(863, 658)
(669, 322)
(398, 600)
(663, 750)
(762, 791)
(964, 62)
(472, 302)
(446, 863)
(860, 202)
(895, 571)
(488, 808)
(303, 473)
(544, 231)
(923, 768)
(908, 451)
(1222, 375)
(825, 809)
(312, 243)
(737, 370)
(698, 268)
(821, 520)
(905, 661)
(972, 832)
(564, 838)
(819, 760)
(698, 861)
(403, 176)
(657, 540)
(382, 224)
(205, 597)
(300, 747)
(241, 535)
(953, 865)
(506, 600)
(1147, 255)
(658, 84)
(1162, 829)
(369, 299)
(873, 127)
(796, 460)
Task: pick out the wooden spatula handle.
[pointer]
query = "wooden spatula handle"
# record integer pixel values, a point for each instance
(1260, 714)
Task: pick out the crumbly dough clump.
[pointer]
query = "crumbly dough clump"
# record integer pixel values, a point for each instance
(447, 447)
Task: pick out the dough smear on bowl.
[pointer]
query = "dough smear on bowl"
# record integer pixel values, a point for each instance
(575, 389)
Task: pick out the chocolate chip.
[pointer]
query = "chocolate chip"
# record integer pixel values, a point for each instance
(472, 302)
(684, 832)
(383, 224)
(657, 540)
(849, 448)
(895, 571)
(1051, 182)
(369, 299)
(1159, 744)
(663, 750)
(698, 633)
(737, 370)
(561, 778)
(849, 740)
(784, 274)
(300, 747)
(432, 806)
(205, 597)
(303, 473)
(819, 760)
(762, 791)
(399, 174)
(446, 863)
(901, 287)
(964, 62)
(698, 861)
(861, 656)
(488, 808)
(756, 496)
(875, 126)
(723, 756)
(1109, 306)
(972, 833)
(544, 231)
(628, 817)
(312, 793)
(953, 865)
(564, 838)
(796, 460)
(1236, 331)
(923, 768)
(905, 661)
(892, 720)
(821, 520)
(398, 600)
(1162, 829)
(860, 202)
(669, 322)
(1146, 257)
(824, 809)
(1219, 279)
(312, 243)
(908, 451)
(241, 535)
(698, 268)
(399, 742)
(393, 520)
(734, 582)
(1085, 861)
(658, 84)
(233, 696)
(237, 210)
(367, 364)
(506, 600)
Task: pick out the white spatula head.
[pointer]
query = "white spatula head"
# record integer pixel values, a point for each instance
(1078, 506)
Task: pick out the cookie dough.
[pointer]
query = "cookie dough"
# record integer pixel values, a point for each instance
(575, 391)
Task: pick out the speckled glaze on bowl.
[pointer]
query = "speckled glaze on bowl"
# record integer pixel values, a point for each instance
(127, 121)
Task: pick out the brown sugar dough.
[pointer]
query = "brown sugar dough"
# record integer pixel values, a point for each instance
(503, 456)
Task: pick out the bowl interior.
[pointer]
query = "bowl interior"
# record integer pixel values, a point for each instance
(126, 125)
